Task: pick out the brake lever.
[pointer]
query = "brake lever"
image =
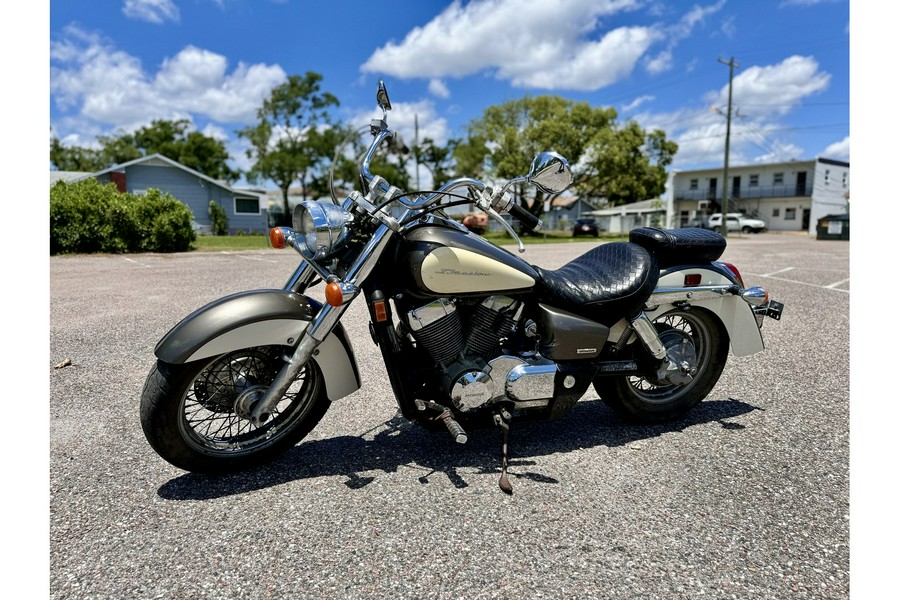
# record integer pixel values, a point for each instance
(486, 202)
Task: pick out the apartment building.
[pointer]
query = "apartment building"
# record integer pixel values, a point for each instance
(788, 196)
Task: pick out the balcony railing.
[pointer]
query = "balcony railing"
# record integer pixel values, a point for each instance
(774, 191)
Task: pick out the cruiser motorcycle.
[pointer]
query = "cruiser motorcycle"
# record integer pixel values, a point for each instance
(471, 335)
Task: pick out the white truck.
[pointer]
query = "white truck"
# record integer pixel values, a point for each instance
(736, 222)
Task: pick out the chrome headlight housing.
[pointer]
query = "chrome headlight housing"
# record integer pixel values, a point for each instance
(323, 228)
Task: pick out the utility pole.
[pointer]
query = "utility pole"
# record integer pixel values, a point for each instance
(418, 187)
(731, 65)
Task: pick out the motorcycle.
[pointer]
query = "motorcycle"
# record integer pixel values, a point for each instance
(472, 336)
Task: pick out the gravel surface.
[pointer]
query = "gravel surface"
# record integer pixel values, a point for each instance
(748, 497)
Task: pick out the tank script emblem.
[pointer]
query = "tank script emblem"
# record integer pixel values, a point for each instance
(458, 272)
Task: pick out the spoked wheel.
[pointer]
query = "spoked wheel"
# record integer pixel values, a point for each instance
(645, 400)
(196, 415)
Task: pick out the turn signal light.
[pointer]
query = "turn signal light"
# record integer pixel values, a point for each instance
(380, 311)
(276, 238)
(333, 294)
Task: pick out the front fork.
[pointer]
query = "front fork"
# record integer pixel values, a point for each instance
(327, 317)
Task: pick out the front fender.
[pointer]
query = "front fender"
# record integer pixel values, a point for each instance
(261, 318)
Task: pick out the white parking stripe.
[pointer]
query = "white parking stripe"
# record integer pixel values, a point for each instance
(131, 260)
(779, 271)
(837, 283)
(822, 287)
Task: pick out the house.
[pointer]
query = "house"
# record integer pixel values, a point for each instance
(246, 208)
(564, 211)
(788, 196)
(625, 217)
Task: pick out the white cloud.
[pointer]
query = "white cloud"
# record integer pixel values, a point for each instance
(637, 102)
(152, 11)
(659, 63)
(554, 44)
(550, 44)
(774, 89)
(98, 86)
(762, 95)
(838, 150)
(438, 88)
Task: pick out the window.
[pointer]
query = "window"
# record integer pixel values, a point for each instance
(695, 183)
(827, 175)
(778, 179)
(246, 206)
(776, 212)
(844, 179)
(754, 181)
(790, 214)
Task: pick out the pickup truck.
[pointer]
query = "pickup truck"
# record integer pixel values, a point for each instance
(736, 222)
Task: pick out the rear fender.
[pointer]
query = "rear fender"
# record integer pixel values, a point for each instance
(733, 311)
(261, 318)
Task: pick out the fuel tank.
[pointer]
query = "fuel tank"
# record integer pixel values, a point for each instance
(442, 260)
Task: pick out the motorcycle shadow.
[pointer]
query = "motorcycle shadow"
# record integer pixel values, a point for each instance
(399, 444)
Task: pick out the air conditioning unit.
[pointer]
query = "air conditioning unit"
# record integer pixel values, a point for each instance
(703, 205)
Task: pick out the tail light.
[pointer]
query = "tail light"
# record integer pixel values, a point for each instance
(734, 271)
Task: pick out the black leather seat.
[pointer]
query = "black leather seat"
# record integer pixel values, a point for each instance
(605, 284)
(679, 246)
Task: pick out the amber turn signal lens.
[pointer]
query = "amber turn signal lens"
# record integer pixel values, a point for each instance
(333, 294)
(380, 311)
(276, 238)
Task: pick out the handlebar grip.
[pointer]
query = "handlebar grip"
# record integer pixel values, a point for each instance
(526, 218)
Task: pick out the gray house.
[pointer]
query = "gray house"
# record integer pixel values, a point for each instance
(246, 209)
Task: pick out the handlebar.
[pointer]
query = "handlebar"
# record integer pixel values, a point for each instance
(381, 133)
(526, 218)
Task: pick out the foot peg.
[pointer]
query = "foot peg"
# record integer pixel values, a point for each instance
(446, 415)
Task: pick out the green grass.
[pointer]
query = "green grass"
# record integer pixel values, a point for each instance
(236, 243)
(229, 243)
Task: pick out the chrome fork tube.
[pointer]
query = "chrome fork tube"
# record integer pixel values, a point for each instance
(315, 334)
(299, 281)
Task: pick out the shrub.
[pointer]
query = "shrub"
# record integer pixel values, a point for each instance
(89, 216)
(219, 218)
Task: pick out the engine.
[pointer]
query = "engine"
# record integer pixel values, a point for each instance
(472, 344)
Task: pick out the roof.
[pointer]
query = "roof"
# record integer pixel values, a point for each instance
(644, 206)
(67, 176)
(154, 160)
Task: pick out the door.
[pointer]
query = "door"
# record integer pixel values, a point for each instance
(806, 219)
(713, 184)
(801, 184)
(736, 187)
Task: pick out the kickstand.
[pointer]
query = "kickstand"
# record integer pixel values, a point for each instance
(502, 419)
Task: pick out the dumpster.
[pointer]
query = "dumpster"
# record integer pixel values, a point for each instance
(833, 227)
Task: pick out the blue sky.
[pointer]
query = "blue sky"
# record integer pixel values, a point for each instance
(213, 61)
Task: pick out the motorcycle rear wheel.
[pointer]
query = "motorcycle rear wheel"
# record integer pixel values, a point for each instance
(189, 417)
(639, 400)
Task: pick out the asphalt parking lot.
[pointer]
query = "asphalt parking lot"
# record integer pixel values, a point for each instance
(748, 497)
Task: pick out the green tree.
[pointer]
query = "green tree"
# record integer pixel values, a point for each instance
(626, 164)
(507, 136)
(281, 143)
(437, 159)
(219, 218)
(172, 139)
(622, 164)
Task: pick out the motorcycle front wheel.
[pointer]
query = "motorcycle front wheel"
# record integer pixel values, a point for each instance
(641, 400)
(191, 413)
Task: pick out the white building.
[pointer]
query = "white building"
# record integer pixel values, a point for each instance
(788, 196)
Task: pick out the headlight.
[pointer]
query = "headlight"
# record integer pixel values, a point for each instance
(323, 227)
